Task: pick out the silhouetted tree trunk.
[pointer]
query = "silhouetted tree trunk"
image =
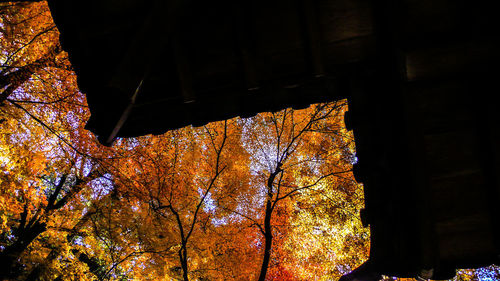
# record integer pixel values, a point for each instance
(29, 230)
(10, 255)
(268, 234)
(268, 239)
(184, 264)
(40, 269)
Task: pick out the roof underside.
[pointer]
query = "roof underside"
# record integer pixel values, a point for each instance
(202, 61)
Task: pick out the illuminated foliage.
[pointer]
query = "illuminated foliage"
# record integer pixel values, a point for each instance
(189, 204)
(266, 198)
(48, 160)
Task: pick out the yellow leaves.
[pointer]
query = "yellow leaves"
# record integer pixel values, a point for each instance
(23, 24)
(317, 243)
(210, 179)
(3, 218)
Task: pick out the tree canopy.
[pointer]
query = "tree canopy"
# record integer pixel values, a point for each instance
(270, 197)
(265, 198)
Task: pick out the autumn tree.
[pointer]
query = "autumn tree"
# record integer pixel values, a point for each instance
(49, 162)
(180, 175)
(29, 41)
(261, 185)
(46, 179)
(299, 158)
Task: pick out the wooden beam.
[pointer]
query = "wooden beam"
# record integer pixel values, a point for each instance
(313, 37)
(245, 36)
(183, 71)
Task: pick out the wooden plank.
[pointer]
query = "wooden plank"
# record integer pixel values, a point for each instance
(313, 37)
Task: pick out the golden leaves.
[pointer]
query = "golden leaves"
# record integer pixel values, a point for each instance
(199, 189)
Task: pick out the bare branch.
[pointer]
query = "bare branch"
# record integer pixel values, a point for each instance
(212, 181)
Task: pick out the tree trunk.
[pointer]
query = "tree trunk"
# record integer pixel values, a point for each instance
(11, 254)
(55, 253)
(183, 259)
(268, 238)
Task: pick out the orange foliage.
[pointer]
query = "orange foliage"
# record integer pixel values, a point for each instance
(194, 203)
